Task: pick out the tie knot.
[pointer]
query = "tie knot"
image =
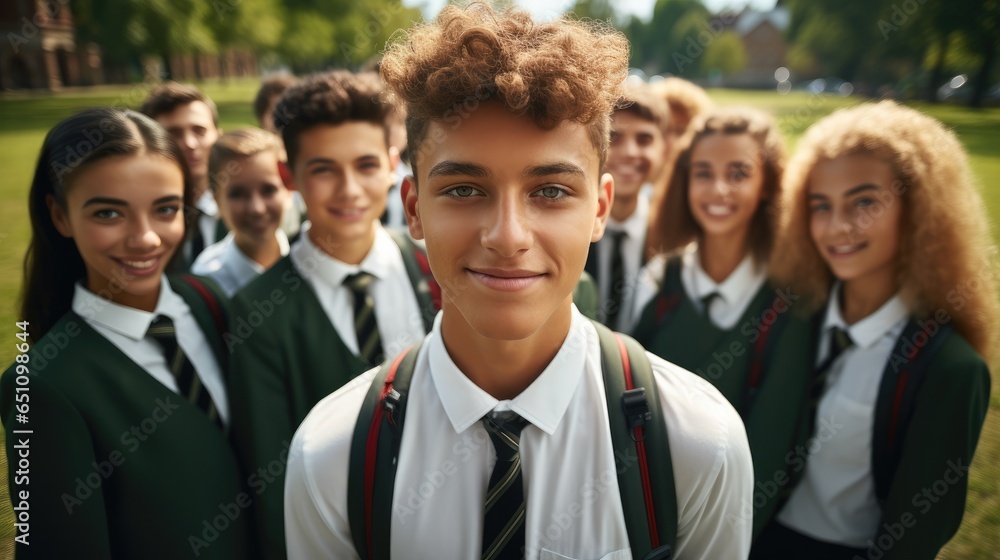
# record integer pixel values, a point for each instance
(161, 326)
(839, 341)
(359, 282)
(506, 434)
(708, 300)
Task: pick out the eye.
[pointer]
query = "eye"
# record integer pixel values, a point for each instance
(169, 211)
(463, 191)
(865, 202)
(816, 207)
(552, 192)
(701, 174)
(107, 214)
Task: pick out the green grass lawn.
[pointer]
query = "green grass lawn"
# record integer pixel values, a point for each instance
(24, 120)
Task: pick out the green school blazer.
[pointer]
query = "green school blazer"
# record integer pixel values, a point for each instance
(926, 499)
(286, 356)
(116, 465)
(771, 342)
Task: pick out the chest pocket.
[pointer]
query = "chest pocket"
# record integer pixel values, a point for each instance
(623, 554)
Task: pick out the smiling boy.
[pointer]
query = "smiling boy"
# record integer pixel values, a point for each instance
(348, 295)
(508, 201)
(192, 120)
(635, 157)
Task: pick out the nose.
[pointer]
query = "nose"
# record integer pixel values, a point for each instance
(257, 206)
(190, 142)
(508, 231)
(142, 236)
(631, 147)
(722, 186)
(841, 222)
(351, 187)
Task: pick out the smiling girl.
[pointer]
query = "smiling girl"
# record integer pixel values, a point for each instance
(121, 397)
(888, 241)
(705, 303)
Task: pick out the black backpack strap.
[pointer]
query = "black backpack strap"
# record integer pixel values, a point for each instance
(642, 450)
(418, 268)
(374, 455)
(901, 380)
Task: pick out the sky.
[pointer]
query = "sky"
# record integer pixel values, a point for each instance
(547, 9)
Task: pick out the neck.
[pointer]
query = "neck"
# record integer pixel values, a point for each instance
(503, 368)
(265, 252)
(143, 302)
(199, 186)
(861, 297)
(719, 256)
(351, 251)
(623, 208)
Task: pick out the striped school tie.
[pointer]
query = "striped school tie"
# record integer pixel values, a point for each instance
(188, 383)
(365, 326)
(503, 522)
(839, 342)
(617, 286)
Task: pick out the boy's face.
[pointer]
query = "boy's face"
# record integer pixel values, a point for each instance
(508, 211)
(194, 130)
(344, 173)
(636, 153)
(252, 196)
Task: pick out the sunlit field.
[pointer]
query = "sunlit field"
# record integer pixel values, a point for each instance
(25, 118)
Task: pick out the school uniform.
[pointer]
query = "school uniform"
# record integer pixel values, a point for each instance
(121, 464)
(211, 229)
(295, 342)
(631, 235)
(571, 495)
(228, 266)
(834, 506)
(748, 342)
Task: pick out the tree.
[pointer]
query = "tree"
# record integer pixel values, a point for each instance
(725, 55)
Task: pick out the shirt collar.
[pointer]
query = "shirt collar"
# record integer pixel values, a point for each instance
(635, 225)
(317, 264)
(869, 330)
(122, 319)
(745, 279)
(243, 265)
(207, 204)
(543, 403)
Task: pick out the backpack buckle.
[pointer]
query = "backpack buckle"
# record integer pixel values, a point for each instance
(636, 411)
(391, 404)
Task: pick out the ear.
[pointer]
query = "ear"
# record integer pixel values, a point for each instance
(408, 192)
(605, 198)
(286, 175)
(58, 215)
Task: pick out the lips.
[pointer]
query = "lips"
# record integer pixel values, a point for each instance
(349, 213)
(719, 210)
(144, 266)
(845, 250)
(505, 279)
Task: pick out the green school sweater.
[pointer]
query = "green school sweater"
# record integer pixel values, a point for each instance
(286, 356)
(770, 337)
(926, 499)
(117, 465)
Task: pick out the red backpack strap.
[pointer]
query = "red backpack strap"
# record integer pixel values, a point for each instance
(375, 454)
(763, 349)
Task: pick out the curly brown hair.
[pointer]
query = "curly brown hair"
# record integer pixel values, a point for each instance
(673, 226)
(556, 71)
(329, 98)
(945, 247)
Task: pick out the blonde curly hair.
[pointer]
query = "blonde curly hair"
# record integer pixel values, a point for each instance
(945, 244)
(553, 72)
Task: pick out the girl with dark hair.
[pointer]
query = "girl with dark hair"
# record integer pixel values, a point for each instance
(116, 411)
(705, 303)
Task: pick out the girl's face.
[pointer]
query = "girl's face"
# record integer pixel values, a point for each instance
(252, 197)
(125, 215)
(726, 184)
(855, 215)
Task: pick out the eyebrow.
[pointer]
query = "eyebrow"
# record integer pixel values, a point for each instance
(558, 168)
(861, 188)
(449, 168)
(120, 202)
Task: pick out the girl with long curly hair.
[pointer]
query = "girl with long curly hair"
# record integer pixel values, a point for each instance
(887, 242)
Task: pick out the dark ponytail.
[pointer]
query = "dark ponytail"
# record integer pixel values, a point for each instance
(53, 264)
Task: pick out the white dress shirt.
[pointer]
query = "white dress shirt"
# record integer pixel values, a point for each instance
(209, 216)
(396, 216)
(400, 322)
(633, 246)
(126, 327)
(231, 269)
(835, 501)
(736, 292)
(571, 490)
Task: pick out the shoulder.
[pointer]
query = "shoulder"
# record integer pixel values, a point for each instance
(955, 364)
(283, 276)
(704, 429)
(210, 260)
